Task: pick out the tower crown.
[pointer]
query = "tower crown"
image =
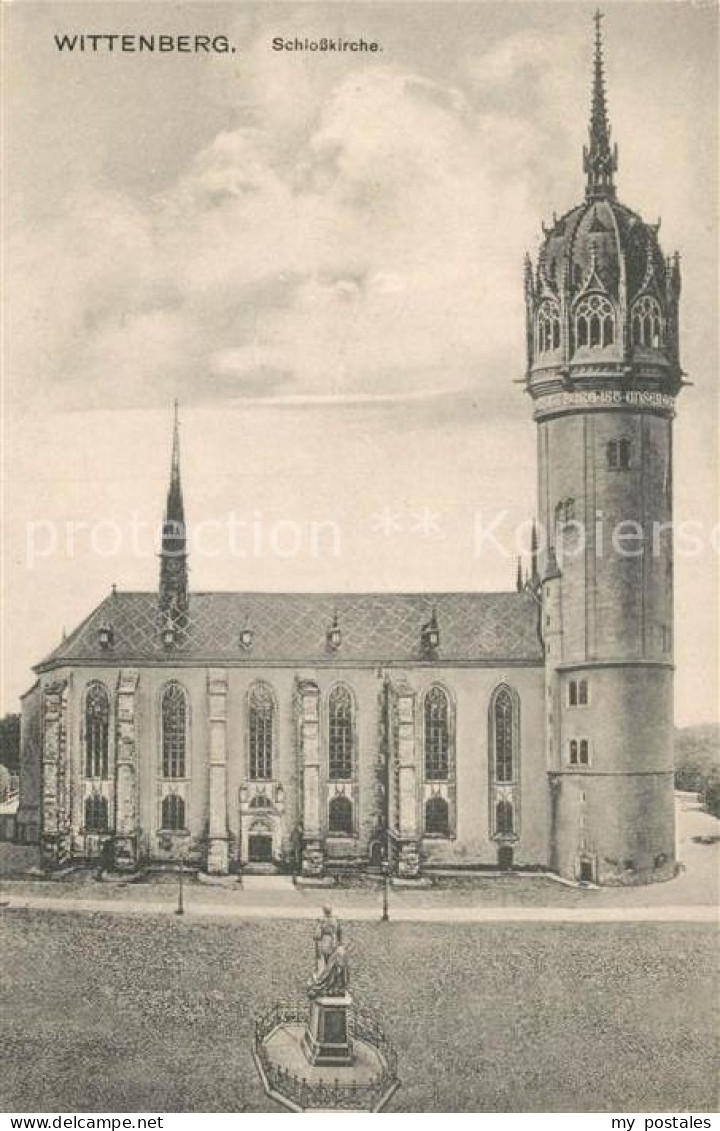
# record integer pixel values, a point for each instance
(602, 300)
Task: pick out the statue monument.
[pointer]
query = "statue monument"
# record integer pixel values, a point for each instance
(328, 1037)
(328, 1055)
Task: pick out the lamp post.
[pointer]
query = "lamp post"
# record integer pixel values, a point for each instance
(180, 909)
(386, 891)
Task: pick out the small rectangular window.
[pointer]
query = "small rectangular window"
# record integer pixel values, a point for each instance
(579, 752)
(618, 455)
(578, 693)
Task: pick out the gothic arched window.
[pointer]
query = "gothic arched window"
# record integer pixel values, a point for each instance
(437, 735)
(173, 812)
(340, 735)
(174, 715)
(548, 327)
(97, 720)
(504, 822)
(594, 322)
(340, 815)
(647, 323)
(96, 814)
(437, 817)
(504, 729)
(261, 719)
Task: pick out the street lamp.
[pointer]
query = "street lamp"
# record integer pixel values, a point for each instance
(386, 891)
(180, 909)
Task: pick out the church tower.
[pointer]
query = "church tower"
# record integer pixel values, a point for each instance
(173, 554)
(603, 371)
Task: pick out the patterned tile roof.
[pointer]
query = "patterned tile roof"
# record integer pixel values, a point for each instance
(292, 628)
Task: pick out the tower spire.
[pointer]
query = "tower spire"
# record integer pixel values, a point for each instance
(599, 157)
(173, 556)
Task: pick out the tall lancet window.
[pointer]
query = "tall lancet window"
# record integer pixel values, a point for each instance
(97, 726)
(594, 322)
(340, 735)
(174, 717)
(261, 732)
(504, 759)
(439, 787)
(647, 327)
(437, 735)
(548, 327)
(504, 736)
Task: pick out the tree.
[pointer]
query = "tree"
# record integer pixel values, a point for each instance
(10, 742)
(697, 764)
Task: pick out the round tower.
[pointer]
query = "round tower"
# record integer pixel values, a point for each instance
(603, 373)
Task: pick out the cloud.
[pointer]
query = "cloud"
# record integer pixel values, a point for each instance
(383, 259)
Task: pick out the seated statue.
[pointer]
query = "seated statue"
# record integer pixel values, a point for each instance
(334, 978)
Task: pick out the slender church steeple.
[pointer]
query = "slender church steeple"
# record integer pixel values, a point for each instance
(599, 158)
(173, 556)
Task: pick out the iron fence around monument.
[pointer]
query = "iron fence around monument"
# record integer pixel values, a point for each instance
(347, 1094)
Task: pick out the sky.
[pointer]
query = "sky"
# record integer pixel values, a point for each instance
(321, 257)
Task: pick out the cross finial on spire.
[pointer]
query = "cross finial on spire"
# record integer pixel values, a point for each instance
(599, 158)
(175, 466)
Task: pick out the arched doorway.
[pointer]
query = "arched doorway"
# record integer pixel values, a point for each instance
(260, 843)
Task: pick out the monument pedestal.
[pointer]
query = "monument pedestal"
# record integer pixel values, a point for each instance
(327, 1041)
(124, 853)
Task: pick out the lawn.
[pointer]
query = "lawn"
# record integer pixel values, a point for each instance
(104, 1013)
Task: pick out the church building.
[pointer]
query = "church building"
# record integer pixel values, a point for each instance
(318, 732)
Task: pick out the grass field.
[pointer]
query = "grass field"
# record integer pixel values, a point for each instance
(103, 1013)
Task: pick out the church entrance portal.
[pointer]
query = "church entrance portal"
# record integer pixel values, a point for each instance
(260, 848)
(586, 872)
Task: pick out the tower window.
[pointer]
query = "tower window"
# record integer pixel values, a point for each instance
(565, 512)
(548, 327)
(618, 455)
(579, 751)
(647, 323)
(261, 718)
(578, 693)
(174, 731)
(594, 322)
